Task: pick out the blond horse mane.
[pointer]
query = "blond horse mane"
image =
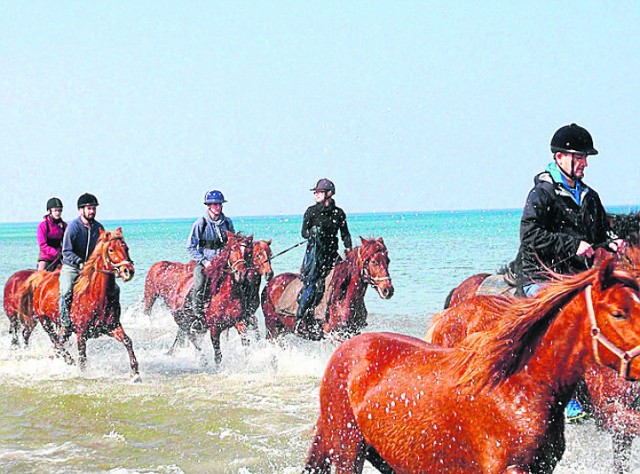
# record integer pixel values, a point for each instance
(89, 271)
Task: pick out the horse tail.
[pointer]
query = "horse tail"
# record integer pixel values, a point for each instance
(269, 312)
(25, 310)
(150, 293)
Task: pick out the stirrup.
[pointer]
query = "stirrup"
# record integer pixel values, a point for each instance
(197, 326)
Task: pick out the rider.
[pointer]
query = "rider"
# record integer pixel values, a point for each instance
(50, 232)
(320, 226)
(563, 220)
(79, 241)
(206, 240)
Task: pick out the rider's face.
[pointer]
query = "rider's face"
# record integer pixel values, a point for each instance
(56, 212)
(576, 160)
(215, 209)
(88, 212)
(319, 196)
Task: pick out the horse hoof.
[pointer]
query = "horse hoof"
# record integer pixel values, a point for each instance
(135, 378)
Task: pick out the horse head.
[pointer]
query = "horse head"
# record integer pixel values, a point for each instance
(240, 254)
(115, 254)
(262, 258)
(373, 263)
(613, 304)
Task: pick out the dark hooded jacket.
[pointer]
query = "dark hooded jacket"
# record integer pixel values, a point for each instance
(327, 220)
(552, 226)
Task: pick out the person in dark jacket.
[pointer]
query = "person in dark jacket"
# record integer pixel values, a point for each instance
(320, 225)
(50, 233)
(563, 220)
(78, 243)
(206, 240)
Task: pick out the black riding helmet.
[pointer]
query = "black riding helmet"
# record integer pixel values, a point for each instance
(325, 184)
(54, 202)
(573, 139)
(87, 200)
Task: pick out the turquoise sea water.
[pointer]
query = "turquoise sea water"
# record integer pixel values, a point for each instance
(251, 415)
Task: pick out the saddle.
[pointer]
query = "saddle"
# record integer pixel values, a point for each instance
(506, 283)
(288, 303)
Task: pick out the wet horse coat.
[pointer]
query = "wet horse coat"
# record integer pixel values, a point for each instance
(95, 309)
(410, 406)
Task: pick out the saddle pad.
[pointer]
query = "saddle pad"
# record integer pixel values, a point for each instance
(495, 285)
(288, 303)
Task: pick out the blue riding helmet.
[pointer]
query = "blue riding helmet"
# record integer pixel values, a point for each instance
(214, 197)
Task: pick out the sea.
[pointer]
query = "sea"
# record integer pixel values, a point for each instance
(255, 412)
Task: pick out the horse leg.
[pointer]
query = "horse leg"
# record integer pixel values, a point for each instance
(241, 327)
(119, 335)
(13, 329)
(81, 338)
(58, 347)
(179, 341)
(215, 332)
(621, 443)
(376, 461)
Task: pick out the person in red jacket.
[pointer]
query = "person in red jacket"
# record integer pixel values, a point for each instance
(50, 233)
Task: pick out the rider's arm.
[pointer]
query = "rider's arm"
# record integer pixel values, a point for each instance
(69, 256)
(46, 251)
(193, 242)
(344, 232)
(307, 223)
(534, 224)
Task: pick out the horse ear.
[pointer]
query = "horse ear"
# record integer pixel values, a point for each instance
(605, 274)
(251, 238)
(268, 242)
(380, 240)
(230, 235)
(363, 240)
(105, 235)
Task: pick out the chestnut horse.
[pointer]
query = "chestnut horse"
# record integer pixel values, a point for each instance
(492, 404)
(346, 312)
(12, 295)
(95, 309)
(173, 281)
(260, 267)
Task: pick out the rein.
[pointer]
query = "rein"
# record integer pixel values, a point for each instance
(285, 250)
(626, 357)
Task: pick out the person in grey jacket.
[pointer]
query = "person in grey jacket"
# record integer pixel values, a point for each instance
(79, 240)
(206, 240)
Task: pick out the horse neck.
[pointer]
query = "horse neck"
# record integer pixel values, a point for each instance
(563, 353)
(95, 280)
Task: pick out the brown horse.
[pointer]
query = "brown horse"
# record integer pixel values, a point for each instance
(610, 397)
(12, 295)
(173, 281)
(346, 313)
(95, 309)
(494, 403)
(261, 267)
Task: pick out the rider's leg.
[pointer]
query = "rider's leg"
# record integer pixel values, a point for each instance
(68, 276)
(197, 295)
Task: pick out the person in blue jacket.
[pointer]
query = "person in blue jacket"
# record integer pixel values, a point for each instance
(79, 240)
(206, 240)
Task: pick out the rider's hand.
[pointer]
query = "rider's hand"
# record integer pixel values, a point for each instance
(206, 263)
(584, 249)
(618, 246)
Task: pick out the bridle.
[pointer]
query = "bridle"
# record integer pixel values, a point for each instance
(234, 265)
(366, 274)
(115, 267)
(626, 357)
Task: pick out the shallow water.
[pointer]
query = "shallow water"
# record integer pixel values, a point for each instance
(253, 414)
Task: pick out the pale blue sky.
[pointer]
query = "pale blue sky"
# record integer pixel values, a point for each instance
(405, 105)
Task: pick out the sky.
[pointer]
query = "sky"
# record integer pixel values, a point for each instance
(406, 106)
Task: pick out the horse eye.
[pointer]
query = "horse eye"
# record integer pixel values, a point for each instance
(619, 315)
(110, 250)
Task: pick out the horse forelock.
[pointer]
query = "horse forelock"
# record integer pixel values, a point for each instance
(494, 354)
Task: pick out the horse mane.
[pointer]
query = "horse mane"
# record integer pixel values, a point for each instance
(500, 351)
(216, 271)
(344, 270)
(89, 271)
